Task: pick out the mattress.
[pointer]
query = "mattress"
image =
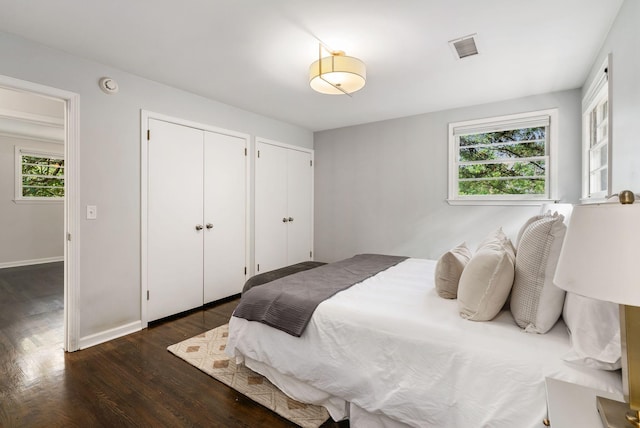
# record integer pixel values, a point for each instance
(391, 348)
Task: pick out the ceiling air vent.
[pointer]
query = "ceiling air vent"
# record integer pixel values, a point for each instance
(464, 47)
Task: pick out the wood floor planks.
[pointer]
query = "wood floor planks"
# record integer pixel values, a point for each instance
(131, 381)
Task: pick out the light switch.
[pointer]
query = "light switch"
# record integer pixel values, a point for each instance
(92, 212)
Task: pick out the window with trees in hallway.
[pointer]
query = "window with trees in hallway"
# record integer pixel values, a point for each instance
(39, 175)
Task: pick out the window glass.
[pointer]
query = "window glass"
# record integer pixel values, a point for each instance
(596, 139)
(599, 146)
(505, 158)
(505, 162)
(41, 175)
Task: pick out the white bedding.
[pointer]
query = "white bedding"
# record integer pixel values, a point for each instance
(392, 347)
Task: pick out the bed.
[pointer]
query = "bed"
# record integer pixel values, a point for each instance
(390, 352)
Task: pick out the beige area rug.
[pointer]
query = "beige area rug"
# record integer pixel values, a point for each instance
(206, 352)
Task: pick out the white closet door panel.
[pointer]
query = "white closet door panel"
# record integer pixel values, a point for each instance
(299, 193)
(270, 207)
(225, 210)
(174, 246)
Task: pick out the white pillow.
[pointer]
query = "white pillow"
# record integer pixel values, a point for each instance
(497, 239)
(486, 280)
(536, 303)
(594, 326)
(448, 270)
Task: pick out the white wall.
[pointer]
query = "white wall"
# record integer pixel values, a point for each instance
(623, 42)
(110, 165)
(31, 232)
(382, 187)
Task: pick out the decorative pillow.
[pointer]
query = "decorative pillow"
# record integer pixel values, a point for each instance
(486, 280)
(536, 303)
(594, 326)
(497, 239)
(527, 224)
(448, 270)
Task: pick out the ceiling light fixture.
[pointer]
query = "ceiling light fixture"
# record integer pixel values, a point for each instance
(337, 74)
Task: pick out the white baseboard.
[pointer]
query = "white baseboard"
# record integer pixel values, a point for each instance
(31, 262)
(107, 335)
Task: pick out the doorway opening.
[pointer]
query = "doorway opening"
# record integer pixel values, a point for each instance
(41, 130)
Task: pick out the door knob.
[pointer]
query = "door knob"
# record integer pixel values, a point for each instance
(284, 219)
(290, 218)
(198, 227)
(209, 226)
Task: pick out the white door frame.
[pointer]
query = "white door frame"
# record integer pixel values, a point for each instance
(145, 115)
(71, 201)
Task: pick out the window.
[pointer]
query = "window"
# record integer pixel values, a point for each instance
(506, 159)
(39, 175)
(596, 141)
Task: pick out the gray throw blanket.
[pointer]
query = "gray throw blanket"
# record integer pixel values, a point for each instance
(272, 275)
(288, 303)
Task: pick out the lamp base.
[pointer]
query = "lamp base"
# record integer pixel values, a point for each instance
(613, 414)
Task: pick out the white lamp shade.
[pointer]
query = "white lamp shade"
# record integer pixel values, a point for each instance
(345, 72)
(600, 256)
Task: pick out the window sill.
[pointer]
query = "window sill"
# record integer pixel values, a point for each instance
(588, 201)
(39, 201)
(504, 202)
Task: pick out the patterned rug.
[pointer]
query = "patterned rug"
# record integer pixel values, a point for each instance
(206, 352)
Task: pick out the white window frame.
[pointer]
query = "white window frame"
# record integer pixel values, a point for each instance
(513, 121)
(24, 151)
(599, 89)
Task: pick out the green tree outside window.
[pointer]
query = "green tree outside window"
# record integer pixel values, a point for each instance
(510, 162)
(42, 176)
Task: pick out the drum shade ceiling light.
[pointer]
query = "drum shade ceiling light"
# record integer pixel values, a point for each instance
(337, 74)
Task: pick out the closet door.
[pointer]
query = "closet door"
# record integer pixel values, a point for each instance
(224, 215)
(175, 233)
(299, 206)
(271, 218)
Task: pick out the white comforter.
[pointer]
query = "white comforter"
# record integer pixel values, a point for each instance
(391, 346)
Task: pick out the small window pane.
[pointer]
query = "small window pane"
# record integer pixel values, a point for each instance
(603, 110)
(507, 136)
(42, 181)
(599, 180)
(43, 192)
(598, 157)
(604, 179)
(503, 151)
(514, 169)
(503, 187)
(593, 129)
(602, 130)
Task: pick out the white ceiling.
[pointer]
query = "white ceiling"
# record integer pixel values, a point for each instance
(255, 54)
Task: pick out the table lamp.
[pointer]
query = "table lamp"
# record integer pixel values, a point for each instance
(600, 259)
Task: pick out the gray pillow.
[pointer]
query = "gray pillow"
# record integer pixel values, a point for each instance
(536, 303)
(448, 270)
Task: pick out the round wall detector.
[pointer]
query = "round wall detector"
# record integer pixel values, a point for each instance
(108, 85)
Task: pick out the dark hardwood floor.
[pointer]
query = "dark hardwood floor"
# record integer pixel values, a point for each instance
(131, 381)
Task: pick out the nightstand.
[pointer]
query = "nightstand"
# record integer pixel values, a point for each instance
(572, 405)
